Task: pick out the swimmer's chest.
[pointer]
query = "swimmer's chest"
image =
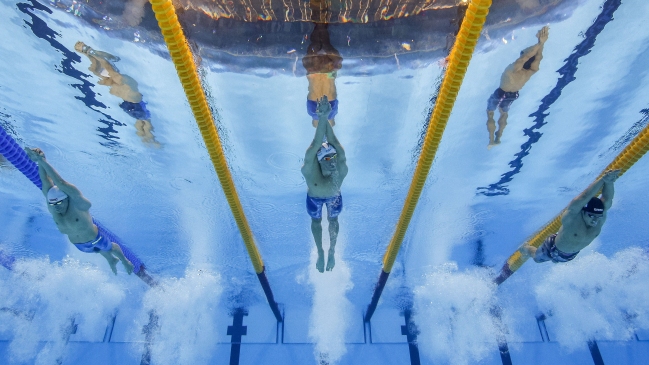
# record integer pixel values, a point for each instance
(579, 235)
(323, 187)
(72, 221)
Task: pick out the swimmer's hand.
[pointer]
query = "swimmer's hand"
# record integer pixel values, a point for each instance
(35, 154)
(543, 34)
(324, 108)
(610, 176)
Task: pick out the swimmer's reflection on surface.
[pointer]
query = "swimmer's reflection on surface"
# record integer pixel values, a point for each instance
(512, 81)
(324, 169)
(102, 64)
(322, 62)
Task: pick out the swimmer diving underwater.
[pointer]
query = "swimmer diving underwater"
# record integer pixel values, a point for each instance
(70, 211)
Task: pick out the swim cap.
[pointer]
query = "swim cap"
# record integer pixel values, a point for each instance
(55, 195)
(326, 149)
(594, 206)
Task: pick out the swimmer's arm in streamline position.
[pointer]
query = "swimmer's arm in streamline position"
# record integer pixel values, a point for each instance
(340, 151)
(533, 51)
(608, 189)
(310, 159)
(605, 183)
(46, 182)
(75, 195)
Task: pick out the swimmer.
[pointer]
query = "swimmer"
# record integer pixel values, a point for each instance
(102, 64)
(321, 62)
(70, 210)
(581, 223)
(324, 169)
(512, 81)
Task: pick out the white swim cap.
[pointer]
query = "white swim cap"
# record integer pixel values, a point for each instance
(55, 195)
(326, 149)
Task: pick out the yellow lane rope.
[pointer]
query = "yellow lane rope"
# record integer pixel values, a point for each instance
(183, 60)
(629, 156)
(458, 63)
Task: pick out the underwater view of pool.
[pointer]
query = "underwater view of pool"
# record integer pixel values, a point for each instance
(324, 182)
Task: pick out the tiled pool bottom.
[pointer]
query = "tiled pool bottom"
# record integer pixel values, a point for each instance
(528, 353)
(254, 338)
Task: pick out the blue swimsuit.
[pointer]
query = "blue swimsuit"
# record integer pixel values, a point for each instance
(100, 243)
(312, 107)
(314, 206)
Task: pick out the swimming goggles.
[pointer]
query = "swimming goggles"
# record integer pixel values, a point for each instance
(57, 203)
(594, 216)
(327, 158)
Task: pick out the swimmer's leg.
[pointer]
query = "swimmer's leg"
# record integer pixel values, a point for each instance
(491, 127)
(333, 237)
(112, 261)
(316, 229)
(117, 251)
(502, 123)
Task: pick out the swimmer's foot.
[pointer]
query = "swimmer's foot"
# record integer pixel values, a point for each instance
(113, 264)
(527, 251)
(331, 260)
(320, 263)
(128, 266)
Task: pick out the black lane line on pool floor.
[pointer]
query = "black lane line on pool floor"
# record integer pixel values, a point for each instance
(149, 331)
(594, 352)
(41, 30)
(410, 331)
(236, 331)
(567, 72)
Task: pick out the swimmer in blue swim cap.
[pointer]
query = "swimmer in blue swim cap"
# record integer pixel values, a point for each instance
(70, 210)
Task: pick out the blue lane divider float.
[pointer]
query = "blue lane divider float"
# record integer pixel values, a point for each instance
(7, 260)
(12, 151)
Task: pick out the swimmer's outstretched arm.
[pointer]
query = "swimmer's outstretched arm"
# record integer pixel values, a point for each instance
(608, 190)
(323, 111)
(72, 191)
(533, 51)
(582, 199)
(340, 151)
(46, 182)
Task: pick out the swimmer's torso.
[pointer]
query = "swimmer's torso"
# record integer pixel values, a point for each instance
(321, 84)
(76, 224)
(574, 235)
(512, 81)
(320, 186)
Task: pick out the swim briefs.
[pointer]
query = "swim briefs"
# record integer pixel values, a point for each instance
(549, 252)
(100, 243)
(314, 206)
(312, 107)
(501, 98)
(136, 110)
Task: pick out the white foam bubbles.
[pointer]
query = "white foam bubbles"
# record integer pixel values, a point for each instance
(186, 310)
(595, 297)
(331, 311)
(453, 312)
(42, 299)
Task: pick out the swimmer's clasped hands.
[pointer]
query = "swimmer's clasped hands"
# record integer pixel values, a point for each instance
(611, 175)
(35, 154)
(324, 108)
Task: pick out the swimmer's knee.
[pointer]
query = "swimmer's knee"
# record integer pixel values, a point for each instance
(333, 219)
(316, 220)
